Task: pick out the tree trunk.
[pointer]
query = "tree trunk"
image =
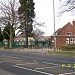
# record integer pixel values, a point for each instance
(26, 39)
(11, 38)
(26, 30)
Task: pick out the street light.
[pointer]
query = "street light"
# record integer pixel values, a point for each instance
(54, 25)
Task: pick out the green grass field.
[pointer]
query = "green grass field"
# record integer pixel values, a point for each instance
(62, 53)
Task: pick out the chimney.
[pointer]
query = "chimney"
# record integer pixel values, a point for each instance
(73, 22)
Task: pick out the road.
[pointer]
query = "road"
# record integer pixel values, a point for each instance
(35, 63)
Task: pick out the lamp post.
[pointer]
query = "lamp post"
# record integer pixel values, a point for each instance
(54, 25)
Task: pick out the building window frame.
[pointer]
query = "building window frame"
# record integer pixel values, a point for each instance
(74, 40)
(69, 33)
(67, 40)
(71, 40)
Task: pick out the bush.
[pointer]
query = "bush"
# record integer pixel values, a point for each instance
(68, 47)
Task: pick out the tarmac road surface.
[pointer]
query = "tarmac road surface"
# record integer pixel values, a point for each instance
(35, 63)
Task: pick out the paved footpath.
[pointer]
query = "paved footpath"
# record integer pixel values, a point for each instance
(43, 50)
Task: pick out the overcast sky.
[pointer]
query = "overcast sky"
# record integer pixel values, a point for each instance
(44, 13)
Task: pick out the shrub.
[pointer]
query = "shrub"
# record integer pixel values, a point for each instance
(68, 47)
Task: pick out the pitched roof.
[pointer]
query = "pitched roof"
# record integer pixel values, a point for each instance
(61, 29)
(68, 24)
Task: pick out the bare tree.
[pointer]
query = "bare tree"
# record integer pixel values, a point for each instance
(9, 16)
(38, 33)
(67, 6)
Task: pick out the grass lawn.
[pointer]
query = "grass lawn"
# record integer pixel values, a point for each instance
(66, 53)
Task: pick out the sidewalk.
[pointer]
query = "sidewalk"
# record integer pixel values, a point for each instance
(43, 50)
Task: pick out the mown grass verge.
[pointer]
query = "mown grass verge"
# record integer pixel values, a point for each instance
(62, 53)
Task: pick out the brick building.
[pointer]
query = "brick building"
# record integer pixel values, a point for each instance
(65, 35)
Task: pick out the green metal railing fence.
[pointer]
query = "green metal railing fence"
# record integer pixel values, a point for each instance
(31, 44)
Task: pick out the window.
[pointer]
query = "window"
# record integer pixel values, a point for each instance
(71, 40)
(67, 40)
(74, 40)
(69, 33)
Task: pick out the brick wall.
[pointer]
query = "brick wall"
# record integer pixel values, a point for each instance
(62, 36)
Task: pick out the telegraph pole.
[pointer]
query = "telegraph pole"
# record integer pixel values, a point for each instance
(54, 25)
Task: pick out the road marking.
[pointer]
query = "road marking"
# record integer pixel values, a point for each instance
(50, 63)
(25, 64)
(33, 70)
(43, 68)
(13, 57)
(39, 68)
(67, 73)
(46, 67)
(34, 60)
(10, 57)
(4, 61)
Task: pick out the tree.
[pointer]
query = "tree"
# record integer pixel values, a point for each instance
(68, 6)
(6, 32)
(8, 10)
(37, 33)
(1, 36)
(27, 14)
